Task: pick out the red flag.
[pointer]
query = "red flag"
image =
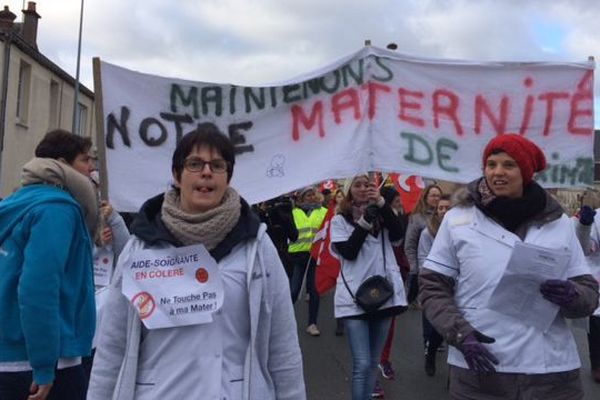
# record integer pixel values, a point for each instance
(409, 187)
(328, 184)
(328, 264)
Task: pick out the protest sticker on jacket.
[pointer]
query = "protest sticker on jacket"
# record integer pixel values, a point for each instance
(173, 287)
(103, 265)
(375, 110)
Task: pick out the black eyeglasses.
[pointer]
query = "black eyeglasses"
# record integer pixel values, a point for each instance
(218, 165)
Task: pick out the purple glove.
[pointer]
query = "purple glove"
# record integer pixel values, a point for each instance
(559, 292)
(477, 356)
(586, 215)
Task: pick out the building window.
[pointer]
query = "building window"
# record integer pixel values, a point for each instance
(23, 92)
(83, 114)
(54, 105)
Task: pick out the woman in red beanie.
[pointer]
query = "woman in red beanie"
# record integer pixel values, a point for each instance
(492, 355)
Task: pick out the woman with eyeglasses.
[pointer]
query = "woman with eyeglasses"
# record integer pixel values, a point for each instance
(248, 348)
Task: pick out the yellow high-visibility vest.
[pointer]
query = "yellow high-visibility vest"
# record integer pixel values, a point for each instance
(308, 226)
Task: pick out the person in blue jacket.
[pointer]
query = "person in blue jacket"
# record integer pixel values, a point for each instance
(47, 311)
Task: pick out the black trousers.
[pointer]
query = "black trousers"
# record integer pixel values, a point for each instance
(69, 383)
(302, 262)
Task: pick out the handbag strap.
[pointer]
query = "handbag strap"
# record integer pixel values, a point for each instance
(384, 267)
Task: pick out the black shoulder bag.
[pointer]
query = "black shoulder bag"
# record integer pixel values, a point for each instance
(374, 291)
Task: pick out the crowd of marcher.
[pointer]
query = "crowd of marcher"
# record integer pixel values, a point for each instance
(70, 328)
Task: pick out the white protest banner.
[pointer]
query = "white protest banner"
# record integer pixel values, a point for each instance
(173, 287)
(375, 110)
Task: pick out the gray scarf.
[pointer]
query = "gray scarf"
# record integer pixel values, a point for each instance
(208, 228)
(49, 171)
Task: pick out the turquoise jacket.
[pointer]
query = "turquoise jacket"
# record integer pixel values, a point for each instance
(47, 308)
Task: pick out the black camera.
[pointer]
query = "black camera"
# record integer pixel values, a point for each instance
(279, 204)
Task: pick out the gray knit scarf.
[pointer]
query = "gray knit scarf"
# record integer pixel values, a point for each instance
(208, 228)
(49, 171)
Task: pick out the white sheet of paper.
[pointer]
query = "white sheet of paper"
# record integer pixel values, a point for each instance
(173, 287)
(518, 291)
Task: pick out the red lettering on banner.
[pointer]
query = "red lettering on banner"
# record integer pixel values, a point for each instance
(372, 89)
(482, 107)
(299, 117)
(583, 94)
(406, 104)
(550, 97)
(489, 114)
(528, 110)
(450, 109)
(346, 99)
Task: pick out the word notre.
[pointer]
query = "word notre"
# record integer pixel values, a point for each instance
(153, 131)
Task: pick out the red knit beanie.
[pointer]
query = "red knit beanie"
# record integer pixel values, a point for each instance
(528, 156)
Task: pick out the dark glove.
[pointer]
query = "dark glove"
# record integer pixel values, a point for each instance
(559, 292)
(413, 288)
(371, 213)
(476, 355)
(586, 215)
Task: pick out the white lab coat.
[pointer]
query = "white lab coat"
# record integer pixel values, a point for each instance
(474, 250)
(186, 362)
(594, 249)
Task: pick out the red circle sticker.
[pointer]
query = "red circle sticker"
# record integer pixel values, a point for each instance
(201, 275)
(144, 303)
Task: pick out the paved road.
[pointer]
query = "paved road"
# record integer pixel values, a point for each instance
(327, 365)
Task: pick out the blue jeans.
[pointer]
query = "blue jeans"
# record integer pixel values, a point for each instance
(366, 338)
(300, 262)
(69, 383)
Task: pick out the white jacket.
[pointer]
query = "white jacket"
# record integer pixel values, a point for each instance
(369, 262)
(589, 237)
(273, 366)
(474, 250)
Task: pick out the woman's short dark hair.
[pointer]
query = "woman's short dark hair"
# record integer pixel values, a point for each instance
(62, 144)
(205, 135)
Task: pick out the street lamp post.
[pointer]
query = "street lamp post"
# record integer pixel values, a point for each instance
(76, 100)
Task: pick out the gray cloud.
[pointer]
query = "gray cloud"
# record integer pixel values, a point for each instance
(252, 42)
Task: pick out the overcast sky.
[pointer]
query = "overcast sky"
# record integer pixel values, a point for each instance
(251, 42)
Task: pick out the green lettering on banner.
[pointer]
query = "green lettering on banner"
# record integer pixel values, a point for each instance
(556, 173)
(388, 74)
(335, 76)
(232, 90)
(252, 98)
(121, 126)
(422, 152)
(313, 84)
(179, 120)
(291, 93)
(145, 135)
(191, 98)
(443, 156)
(411, 156)
(212, 94)
(357, 76)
